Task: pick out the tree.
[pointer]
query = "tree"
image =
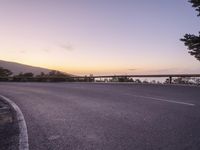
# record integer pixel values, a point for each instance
(190, 40)
(24, 77)
(193, 44)
(138, 81)
(5, 72)
(57, 76)
(28, 75)
(196, 5)
(55, 73)
(42, 74)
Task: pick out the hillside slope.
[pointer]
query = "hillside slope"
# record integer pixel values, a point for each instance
(16, 68)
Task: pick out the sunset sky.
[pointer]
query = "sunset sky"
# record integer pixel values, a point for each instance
(99, 36)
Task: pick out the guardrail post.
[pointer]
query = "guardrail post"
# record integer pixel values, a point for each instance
(170, 80)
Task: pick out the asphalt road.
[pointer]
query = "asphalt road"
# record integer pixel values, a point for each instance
(88, 116)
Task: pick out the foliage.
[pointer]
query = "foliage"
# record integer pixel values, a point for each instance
(57, 76)
(24, 77)
(121, 79)
(138, 81)
(28, 75)
(5, 72)
(181, 80)
(193, 44)
(196, 5)
(190, 40)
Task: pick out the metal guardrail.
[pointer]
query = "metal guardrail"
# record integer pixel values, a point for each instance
(92, 78)
(153, 75)
(170, 76)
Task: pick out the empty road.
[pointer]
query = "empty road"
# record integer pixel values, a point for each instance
(89, 116)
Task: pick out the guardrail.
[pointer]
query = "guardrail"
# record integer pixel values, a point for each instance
(170, 76)
(92, 78)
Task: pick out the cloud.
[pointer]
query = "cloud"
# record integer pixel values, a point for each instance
(58, 47)
(67, 47)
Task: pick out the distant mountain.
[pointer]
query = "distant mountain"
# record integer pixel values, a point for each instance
(16, 68)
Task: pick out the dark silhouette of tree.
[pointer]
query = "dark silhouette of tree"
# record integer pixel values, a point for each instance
(190, 40)
(125, 79)
(24, 77)
(197, 81)
(55, 73)
(193, 44)
(167, 81)
(196, 5)
(42, 77)
(138, 81)
(145, 82)
(57, 76)
(28, 75)
(182, 80)
(42, 74)
(5, 72)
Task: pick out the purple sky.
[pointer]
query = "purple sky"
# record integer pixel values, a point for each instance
(99, 36)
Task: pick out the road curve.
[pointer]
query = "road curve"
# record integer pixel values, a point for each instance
(89, 116)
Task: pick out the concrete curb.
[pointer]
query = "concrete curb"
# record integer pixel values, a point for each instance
(23, 135)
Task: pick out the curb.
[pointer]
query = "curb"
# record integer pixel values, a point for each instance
(23, 135)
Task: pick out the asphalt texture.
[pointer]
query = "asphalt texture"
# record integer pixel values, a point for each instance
(89, 116)
(9, 130)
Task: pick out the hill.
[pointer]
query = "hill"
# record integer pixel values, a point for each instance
(16, 68)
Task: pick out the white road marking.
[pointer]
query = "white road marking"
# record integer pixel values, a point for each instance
(23, 135)
(164, 100)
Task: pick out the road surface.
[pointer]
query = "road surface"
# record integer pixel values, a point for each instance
(89, 116)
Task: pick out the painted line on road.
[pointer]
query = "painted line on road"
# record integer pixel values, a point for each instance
(23, 135)
(164, 100)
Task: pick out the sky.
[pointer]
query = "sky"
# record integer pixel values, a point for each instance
(100, 37)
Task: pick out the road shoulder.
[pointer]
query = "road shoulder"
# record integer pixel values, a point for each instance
(9, 130)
